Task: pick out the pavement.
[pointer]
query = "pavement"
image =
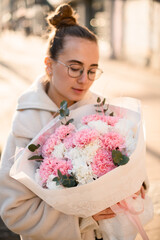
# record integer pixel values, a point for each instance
(21, 61)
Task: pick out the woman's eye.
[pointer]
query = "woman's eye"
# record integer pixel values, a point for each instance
(75, 68)
(93, 71)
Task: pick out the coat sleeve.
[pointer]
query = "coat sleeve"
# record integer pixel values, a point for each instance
(25, 213)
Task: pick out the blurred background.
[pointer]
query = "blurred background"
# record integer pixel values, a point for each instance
(129, 41)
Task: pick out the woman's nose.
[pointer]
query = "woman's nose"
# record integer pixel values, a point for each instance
(83, 78)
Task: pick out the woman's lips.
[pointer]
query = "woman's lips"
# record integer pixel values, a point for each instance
(77, 90)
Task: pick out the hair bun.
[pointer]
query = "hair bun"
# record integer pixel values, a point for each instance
(63, 16)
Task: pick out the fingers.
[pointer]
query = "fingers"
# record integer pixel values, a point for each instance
(106, 211)
(105, 214)
(140, 192)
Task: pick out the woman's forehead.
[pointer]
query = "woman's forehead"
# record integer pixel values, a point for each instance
(79, 48)
(72, 40)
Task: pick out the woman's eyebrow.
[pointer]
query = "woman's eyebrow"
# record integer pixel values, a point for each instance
(94, 65)
(81, 63)
(75, 61)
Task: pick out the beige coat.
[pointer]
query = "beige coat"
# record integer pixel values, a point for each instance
(22, 211)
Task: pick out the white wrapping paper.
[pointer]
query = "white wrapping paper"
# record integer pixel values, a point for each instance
(86, 200)
(121, 227)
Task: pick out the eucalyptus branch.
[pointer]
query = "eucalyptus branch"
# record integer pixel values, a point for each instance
(64, 113)
(100, 105)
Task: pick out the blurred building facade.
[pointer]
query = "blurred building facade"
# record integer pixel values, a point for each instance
(24, 15)
(127, 29)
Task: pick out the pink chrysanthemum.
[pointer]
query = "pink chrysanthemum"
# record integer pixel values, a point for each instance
(112, 140)
(110, 120)
(64, 130)
(51, 165)
(102, 163)
(84, 137)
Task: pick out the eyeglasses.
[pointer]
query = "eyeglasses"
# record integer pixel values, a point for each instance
(76, 70)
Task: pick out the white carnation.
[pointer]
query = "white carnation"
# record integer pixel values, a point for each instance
(130, 143)
(74, 153)
(59, 150)
(82, 127)
(84, 154)
(100, 126)
(90, 150)
(84, 173)
(124, 126)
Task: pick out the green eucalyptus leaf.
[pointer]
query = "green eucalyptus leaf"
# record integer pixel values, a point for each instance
(64, 177)
(111, 114)
(65, 183)
(56, 179)
(69, 182)
(103, 102)
(98, 100)
(33, 147)
(119, 158)
(64, 180)
(99, 111)
(63, 104)
(60, 174)
(36, 157)
(96, 105)
(124, 160)
(69, 121)
(62, 113)
(67, 112)
(116, 156)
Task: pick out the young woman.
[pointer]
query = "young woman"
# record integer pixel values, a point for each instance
(71, 67)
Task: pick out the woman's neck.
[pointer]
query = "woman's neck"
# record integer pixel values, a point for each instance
(56, 97)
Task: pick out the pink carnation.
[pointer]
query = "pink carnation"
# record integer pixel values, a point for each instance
(102, 163)
(41, 141)
(110, 120)
(64, 130)
(60, 134)
(68, 141)
(51, 165)
(84, 137)
(112, 140)
(94, 117)
(49, 145)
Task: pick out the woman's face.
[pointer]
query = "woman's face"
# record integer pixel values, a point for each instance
(76, 51)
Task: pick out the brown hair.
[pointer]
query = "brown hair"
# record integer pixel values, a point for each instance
(65, 23)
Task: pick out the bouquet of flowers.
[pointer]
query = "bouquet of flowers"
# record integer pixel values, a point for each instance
(86, 161)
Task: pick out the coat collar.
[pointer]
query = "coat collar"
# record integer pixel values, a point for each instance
(35, 97)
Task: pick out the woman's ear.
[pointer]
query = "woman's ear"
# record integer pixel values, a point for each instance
(48, 65)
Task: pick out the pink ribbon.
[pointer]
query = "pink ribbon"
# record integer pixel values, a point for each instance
(132, 214)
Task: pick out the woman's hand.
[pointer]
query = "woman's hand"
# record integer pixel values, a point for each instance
(108, 213)
(105, 214)
(141, 192)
